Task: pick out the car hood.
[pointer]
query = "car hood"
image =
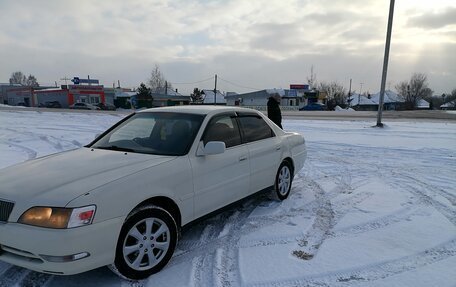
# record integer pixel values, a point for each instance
(57, 179)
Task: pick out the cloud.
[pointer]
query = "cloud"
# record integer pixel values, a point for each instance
(253, 43)
(437, 20)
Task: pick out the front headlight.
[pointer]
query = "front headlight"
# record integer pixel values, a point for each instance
(56, 217)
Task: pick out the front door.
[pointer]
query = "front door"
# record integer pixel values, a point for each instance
(223, 178)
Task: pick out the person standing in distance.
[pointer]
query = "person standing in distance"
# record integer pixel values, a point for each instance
(274, 113)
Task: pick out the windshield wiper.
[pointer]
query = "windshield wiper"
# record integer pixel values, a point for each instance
(117, 148)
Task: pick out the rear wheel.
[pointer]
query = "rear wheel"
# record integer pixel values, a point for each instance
(284, 178)
(146, 243)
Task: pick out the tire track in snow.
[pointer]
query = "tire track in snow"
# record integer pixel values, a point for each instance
(436, 191)
(382, 222)
(448, 212)
(372, 272)
(31, 154)
(208, 266)
(407, 182)
(12, 276)
(35, 279)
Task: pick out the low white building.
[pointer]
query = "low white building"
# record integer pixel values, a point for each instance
(292, 99)
(423, 105)
(210, 99)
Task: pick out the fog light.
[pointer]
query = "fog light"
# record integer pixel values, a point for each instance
(67, 258)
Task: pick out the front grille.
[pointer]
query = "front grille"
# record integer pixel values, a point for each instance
(5, 210)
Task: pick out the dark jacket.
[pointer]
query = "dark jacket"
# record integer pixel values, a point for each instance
(274, 113)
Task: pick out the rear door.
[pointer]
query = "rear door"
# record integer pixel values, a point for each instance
(265, 150)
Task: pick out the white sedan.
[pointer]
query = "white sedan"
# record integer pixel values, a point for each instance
(122, 200)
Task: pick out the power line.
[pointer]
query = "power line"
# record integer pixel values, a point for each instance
(192, 83)
(237, 85)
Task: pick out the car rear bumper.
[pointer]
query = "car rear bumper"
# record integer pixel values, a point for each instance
(60, 251)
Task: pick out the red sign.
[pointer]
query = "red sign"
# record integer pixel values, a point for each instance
(298, 87)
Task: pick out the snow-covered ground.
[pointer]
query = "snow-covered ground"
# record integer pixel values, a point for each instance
(371, 207)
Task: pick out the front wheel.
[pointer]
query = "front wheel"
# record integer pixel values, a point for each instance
(284, 178)
(146, 243)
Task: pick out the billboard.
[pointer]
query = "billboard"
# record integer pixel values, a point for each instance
(299, 87)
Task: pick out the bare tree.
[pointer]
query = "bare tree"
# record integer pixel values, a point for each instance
(31, 81)
(414, 90)
(157, 81)
(196, 96)
(19, 78)
(336, 93)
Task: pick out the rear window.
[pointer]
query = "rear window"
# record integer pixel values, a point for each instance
(255, 128)
(223, 128)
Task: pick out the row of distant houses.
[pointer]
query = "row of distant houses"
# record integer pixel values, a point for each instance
(66, 95)
(293, 98)
(391, 101)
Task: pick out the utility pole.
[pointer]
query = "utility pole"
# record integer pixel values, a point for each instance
(166, 88)
(385, 64)
(215, 90)
(349, 93)
(65, 79)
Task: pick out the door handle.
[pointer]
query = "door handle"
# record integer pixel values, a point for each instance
(242, 158)
(278, 147)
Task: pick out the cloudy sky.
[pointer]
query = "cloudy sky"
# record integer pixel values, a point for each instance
(250, 44)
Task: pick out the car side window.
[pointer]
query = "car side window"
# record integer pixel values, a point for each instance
(223, 128)
(255, 128)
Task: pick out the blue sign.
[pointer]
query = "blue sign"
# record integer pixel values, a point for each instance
(77, 81)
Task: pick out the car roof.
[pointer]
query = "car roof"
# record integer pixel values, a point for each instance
(198, 109)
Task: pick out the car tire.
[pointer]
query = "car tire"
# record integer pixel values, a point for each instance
(284, 179)
(146, 243)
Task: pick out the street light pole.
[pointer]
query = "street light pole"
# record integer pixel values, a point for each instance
(215, 90)
(385, 64)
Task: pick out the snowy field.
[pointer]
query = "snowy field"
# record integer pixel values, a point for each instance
(371, 207)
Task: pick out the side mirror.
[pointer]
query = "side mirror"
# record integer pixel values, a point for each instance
(211, 148)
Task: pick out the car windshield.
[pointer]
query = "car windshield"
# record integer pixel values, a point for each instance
(160, 133)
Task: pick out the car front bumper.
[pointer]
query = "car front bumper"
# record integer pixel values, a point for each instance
(60, 251)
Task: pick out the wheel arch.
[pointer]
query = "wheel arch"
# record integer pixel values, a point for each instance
(289, 160)
(166, 203)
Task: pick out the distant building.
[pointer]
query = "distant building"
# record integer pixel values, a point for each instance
(92, 94)
(423, 105)
(258, 98)
(110, 93)
(449, 105)
(68, 95)
(391, 100)
(60, 95)
(295, 97)
(20, 96)
(170, 98)
(124, 99)
(210, 99)
(362, 103)
(4, 88)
